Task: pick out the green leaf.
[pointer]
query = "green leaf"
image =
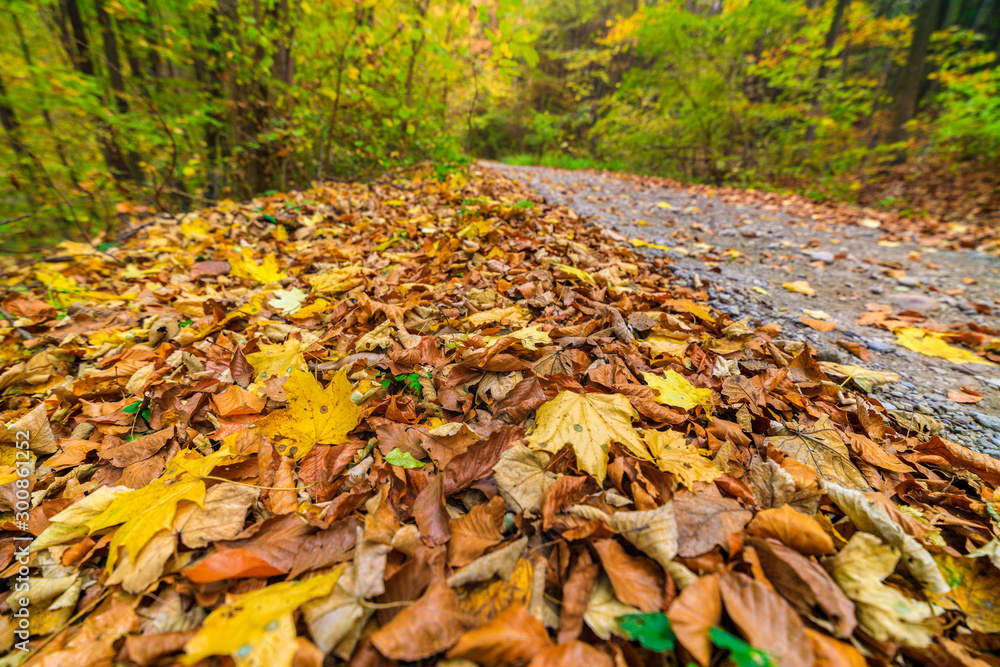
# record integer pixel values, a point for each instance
(741, 653)
(652, 630)
(402, 459)
(133, 408)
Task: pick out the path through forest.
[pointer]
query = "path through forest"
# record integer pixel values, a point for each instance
(743, 254)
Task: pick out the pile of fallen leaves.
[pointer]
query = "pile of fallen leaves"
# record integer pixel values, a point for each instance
(444, 422)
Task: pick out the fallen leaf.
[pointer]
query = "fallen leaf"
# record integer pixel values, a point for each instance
(257, 628)
(883, 612)
(511, 636)
(654, 532)
(800, 286)
(589, 423)
(872, 518)
(705, 521)
(571, 654)
(796, 530)
(675, 390)
(766, 620)
(933, 344)
(818, 446)
(522, 478)
(315, 416)
(693, 612)
(636, 581)
(604, 609)
(672, 454)
(428, 626)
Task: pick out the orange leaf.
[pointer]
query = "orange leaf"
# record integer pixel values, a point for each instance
(230, 564)
(512, 635)
(797, 530)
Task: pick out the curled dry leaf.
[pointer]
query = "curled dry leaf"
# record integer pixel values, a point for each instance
(513, 635)
(883, 612)
(432, 624)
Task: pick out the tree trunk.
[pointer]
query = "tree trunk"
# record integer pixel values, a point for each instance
(26, 52)
(824, 69)
(985, 9)
(117, 82)
(78, 49)
(913, 73)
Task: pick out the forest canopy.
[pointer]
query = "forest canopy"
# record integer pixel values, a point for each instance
(118, 108)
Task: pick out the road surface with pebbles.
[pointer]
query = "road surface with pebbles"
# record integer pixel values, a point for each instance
(744, 254)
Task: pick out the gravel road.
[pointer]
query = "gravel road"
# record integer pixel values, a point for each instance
(743, 254)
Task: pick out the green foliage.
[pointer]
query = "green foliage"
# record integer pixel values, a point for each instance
(743, 92)
(168, 104)
(652, 630)
(740, 653)
(402, 459)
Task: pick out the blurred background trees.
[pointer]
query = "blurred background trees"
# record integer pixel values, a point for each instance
(112, 108)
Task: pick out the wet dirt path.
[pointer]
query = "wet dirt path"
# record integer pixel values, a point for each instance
(743, 254)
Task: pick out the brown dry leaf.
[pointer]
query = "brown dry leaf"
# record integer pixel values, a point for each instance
(832, 653)
(705, 521)
(766, 620)
(513, 635)
(793, 528)
(818, 446)
(571, 654)
(987, 467)
(693, 612)
(654, 532)
(431, 515)
(636, 581)
(475, 532)
(522, 478)
(221, 517)
(804, 584)
(430, 625)
(774, 487)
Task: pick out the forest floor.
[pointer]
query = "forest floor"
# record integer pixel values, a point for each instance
(744, 246)
(441, 418)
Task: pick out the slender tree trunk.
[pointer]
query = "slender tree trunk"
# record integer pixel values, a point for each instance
(913, 73)
(26, 52)
(117, 82)
(824, 69)
(11, 126)
(78, 49)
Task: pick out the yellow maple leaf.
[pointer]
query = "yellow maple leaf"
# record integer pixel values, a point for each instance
(577, 273)
(266, 272)
(338, 280)
(257, 630)
(659, 344)
(530, 337)
(933, 345)
(672, 454)
(278, 360)
(589, 423)
(144, 512)
(511, 314)
(315, 416)
(677, 391)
